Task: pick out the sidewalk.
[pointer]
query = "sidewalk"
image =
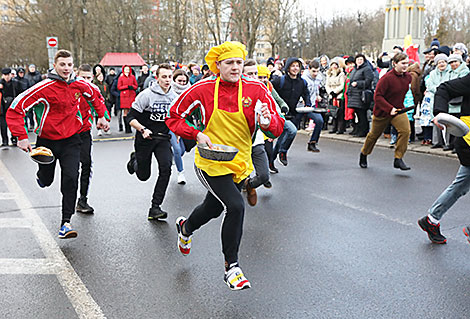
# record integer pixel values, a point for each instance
(383, 142)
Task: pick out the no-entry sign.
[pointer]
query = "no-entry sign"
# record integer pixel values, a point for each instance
(52, 42)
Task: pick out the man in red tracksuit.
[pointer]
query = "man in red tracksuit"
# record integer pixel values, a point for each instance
(87, 110)
(225, 105)
(55, 102)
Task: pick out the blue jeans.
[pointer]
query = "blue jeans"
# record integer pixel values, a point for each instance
(317, 119)
(453, 192)
(285, 139)
(178, 151)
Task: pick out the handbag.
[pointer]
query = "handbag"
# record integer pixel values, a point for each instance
(367, 96)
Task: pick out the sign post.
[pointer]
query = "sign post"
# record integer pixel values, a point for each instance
(52, 47)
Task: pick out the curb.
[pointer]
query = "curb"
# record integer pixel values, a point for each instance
(385, 143)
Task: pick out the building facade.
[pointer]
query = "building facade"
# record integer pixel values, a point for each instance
(402, 18)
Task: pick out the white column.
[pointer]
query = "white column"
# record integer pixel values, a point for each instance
(412, 23)
(387, 14)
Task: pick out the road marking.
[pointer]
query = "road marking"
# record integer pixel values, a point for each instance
(5, 196)
(15, 223)
(19, 266)
(55, 261)
(364, 210)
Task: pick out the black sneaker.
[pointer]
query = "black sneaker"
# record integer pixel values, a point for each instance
(157, 213)
(282, 158)
(83, 207)
(268, 184)
(434, 231)
(14, 140)
(312, 147)
(362, 160)
(273, 169)
(130, 164)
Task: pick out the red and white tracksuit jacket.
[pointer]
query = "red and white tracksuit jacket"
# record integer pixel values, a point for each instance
(200, 97)
(56, 105)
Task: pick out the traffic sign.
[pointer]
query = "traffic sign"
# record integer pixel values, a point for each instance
(52, 42)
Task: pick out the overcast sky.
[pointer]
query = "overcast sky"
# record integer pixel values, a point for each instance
(328, 8)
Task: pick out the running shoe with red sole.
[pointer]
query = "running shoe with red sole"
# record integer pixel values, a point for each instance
(235, 279)
(184, 242)
(466, 231)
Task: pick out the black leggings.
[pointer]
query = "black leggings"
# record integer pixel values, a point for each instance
(223, 195)
(67, 152)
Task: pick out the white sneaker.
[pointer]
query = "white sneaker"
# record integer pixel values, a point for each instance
(108, 132)
(181, 178)
(235, 279)
(184, 242)
(100, 132)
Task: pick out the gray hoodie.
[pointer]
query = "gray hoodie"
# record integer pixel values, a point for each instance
(151, 107)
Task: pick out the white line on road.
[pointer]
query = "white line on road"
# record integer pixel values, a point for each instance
(15, 223)
(4, 196)
(364, 210)
(79, 296)
(19, 266)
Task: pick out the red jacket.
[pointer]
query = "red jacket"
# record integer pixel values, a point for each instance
(56, 106)
(200, 98)
(127, 85)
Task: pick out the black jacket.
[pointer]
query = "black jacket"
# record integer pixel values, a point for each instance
(447, 91)
(33, 78)
(21, 84)
(292, 89)
(364, 77)
(8, 94)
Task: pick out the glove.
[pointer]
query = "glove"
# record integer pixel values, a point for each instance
(130, 87)
(284, 109)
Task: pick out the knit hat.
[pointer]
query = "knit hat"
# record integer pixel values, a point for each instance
(263, 71)
(461, 47)
(439, 57)
(435, 42)
(227, 50)
(455, 57)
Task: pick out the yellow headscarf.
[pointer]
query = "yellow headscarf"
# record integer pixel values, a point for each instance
(227, 50)
(263, 71)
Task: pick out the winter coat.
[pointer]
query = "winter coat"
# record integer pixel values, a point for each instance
(292, 89)
(141, 80)
(33, 78)
(335, 82)
(127, 85)
(103, 88)
(363, 76)
(435, 78)
(460, 72)
(415, 73)
(21, 84)
(313, 85)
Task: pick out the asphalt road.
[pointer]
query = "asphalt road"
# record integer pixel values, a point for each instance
(329, 240)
